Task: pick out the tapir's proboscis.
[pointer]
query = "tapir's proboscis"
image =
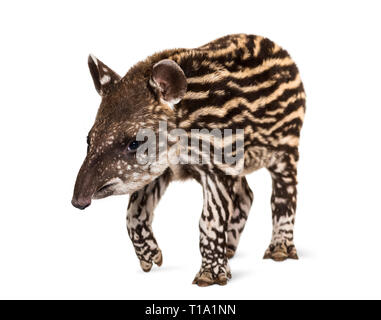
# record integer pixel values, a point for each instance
(243, 83)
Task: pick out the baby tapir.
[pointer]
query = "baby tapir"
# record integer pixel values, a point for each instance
(238, 82)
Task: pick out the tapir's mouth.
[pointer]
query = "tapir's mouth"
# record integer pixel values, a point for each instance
(104, 191)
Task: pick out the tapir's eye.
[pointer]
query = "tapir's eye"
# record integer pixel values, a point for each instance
(134, 145)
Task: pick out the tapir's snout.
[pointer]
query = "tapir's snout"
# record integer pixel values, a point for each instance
(81, 203)
(84, 187)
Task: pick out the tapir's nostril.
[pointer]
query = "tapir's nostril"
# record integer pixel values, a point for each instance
(81, 203)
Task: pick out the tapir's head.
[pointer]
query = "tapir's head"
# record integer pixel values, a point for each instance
(140, 100)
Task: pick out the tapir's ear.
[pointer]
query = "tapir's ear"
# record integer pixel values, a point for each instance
(104, 78)
(169, 80)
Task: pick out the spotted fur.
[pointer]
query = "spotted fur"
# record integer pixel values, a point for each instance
(235, 82)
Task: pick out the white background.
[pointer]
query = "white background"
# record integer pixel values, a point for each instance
(49, 249)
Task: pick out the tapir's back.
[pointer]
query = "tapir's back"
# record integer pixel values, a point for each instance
(244, 82)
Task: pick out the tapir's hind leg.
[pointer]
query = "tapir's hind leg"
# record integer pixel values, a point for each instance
(139, 221)
(283, 204)
(242, 199)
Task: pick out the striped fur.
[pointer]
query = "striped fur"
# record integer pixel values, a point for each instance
(249, 82)
(235, 82)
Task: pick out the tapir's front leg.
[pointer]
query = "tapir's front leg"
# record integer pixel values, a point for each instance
(242, 198)
(139, 221)
(213, 230)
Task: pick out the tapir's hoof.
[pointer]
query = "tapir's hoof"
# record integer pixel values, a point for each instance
(281, 252)
(206, 278)
(146, 266)
(157, 259)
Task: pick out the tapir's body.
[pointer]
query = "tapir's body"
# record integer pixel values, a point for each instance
(236, 82)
